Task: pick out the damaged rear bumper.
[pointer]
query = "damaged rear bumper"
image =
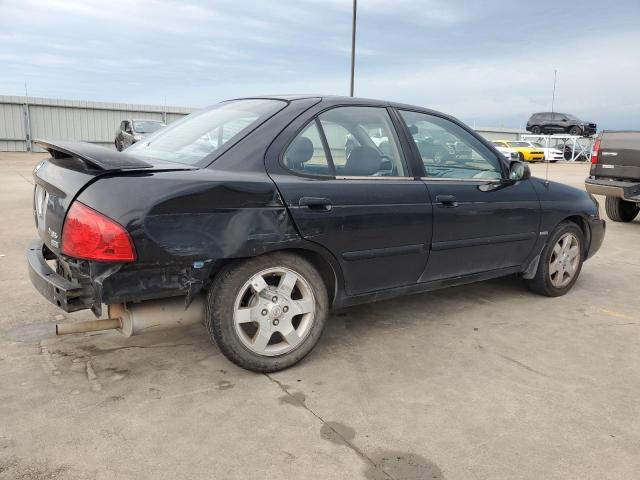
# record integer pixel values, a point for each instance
(79, 284)
(70, 296)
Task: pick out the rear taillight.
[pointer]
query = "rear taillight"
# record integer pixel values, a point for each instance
(595, 152)
(90, 235)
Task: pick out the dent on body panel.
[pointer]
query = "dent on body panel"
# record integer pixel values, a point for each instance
(225, 233)
(221, 219)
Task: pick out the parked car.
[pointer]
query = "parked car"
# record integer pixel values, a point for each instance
(551, 154)
(554, 122)
(615, 173)
(261, 233)
(132, 131)
(573, 150)
(525, 151)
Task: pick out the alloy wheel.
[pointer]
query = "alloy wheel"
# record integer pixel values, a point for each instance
(564, 261)
(274, 311)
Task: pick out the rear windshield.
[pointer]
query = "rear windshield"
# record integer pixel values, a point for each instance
(145, 126)
(200, 134)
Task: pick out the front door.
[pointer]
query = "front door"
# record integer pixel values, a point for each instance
(479, 223)
(348, 186)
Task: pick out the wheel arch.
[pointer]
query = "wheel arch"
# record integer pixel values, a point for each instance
(322, 261)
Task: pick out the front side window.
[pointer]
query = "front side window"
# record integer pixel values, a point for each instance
(200, 134)
(448, 150)
(363, 142)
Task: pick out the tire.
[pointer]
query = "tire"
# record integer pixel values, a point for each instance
(620, 210)
(575, 130)
(546, 281)
(233, 291)
(536, 130)
(521, 156)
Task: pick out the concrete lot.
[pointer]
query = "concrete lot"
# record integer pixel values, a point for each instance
(486, 381)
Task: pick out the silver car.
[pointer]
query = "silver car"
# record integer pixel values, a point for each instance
(132, 131)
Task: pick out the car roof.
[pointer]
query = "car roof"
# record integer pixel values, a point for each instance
(343, 100)
(548, 113)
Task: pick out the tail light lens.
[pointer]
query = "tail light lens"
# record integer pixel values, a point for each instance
(90, 235)
(595, 152)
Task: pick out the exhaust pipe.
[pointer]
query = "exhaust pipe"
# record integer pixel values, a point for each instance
(136, 318)
(92, 326)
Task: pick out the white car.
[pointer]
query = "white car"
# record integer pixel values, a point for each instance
(509, 153)
(551, 154)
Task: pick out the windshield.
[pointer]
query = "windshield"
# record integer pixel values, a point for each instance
(537, 145)
(198, 135)
(518, 144)
(146, 126)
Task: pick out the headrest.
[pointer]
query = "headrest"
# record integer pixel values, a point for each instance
(299, 152)
(413, 129)
(363, 161)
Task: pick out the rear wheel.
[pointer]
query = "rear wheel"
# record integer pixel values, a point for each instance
(267, 313)
(560, 261)
(575, 130)
(536, 130)
(620, 210)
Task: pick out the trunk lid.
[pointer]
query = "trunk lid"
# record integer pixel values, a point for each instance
(73, 166)
(619, 156)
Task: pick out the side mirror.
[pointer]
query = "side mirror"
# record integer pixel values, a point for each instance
(518, 171)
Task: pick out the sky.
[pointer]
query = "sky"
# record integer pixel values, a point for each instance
(489, 63)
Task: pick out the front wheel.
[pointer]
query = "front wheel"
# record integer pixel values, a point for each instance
(267, 313)
(560, 261)
(620, 210)
(536, 130)
(575, 130)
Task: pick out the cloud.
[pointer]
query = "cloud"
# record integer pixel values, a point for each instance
(490, 62)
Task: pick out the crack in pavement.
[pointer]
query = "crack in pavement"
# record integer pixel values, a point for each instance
(347, 442)
(522, 365)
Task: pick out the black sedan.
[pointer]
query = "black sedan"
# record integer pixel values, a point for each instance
(262, 214)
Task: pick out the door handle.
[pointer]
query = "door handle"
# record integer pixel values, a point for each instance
(447, 200)
(315, 203)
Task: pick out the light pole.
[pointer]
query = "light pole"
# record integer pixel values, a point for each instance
(553, 98)
(353, 46)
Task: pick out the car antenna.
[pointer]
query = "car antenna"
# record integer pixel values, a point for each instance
(553, 99)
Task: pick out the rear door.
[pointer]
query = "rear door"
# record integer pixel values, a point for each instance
(619, 156)
(346, 182)
(479, 223)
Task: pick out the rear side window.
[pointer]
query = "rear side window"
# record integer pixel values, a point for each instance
(200, 134)
(363, 142)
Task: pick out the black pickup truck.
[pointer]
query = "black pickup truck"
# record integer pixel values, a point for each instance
(615, 173)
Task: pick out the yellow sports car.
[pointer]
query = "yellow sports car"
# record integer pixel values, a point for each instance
(525, 151)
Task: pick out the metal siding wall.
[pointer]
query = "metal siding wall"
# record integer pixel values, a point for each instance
(94, 122)
(11, 127)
